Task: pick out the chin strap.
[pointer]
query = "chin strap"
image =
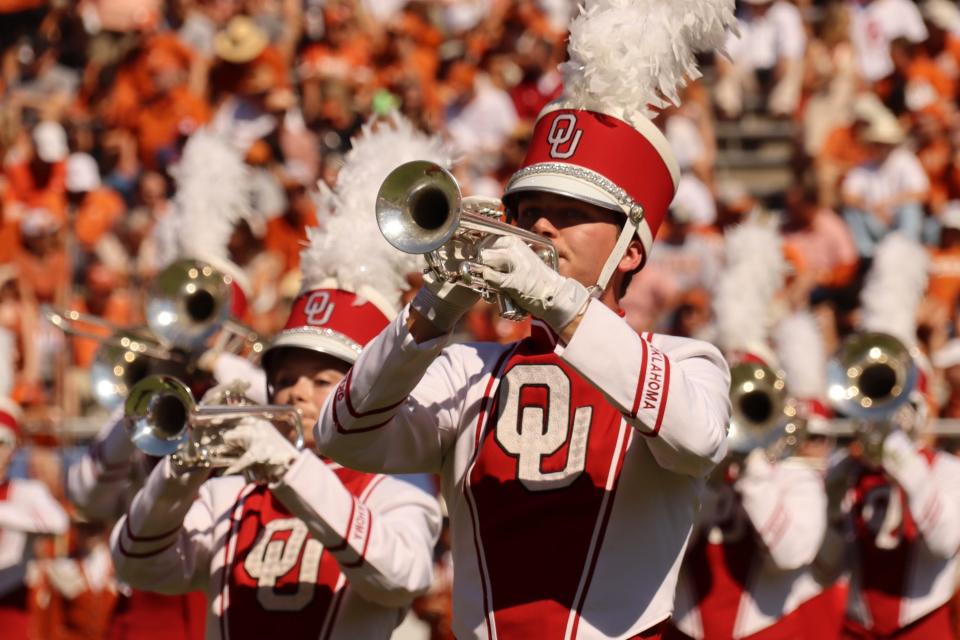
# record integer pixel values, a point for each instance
(634, 218)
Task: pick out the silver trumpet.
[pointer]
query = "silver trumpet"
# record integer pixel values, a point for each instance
(189, 301)
(871, 376)
(164, 420)
(420, 210)
(762, 416)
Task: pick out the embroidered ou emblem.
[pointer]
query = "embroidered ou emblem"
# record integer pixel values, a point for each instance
(318, 308)
(564, 132)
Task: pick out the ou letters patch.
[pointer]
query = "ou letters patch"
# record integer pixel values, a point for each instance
(318, 308)
(564, 136)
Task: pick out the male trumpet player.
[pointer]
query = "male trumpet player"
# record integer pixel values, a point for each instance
(571, 462)
(312, 549)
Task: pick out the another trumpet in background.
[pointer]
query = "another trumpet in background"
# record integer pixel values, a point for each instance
(164, 419)
(763, 415)
(420, 209)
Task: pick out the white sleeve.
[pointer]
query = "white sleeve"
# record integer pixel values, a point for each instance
(911, 22)
(793, 37)
(909, 173)
(384, 544)
(853, 185)
(97, 484)
(398, 408)
(787, 504)
(675, 392)
(164, 543)
(931, 497)
(32, 509)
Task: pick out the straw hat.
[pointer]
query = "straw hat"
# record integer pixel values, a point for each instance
(240, 41)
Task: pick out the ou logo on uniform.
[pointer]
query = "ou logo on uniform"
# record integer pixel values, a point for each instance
(318, 308)
(564, 136)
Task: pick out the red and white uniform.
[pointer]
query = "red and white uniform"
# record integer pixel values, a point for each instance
(99, 484)
(570, 507)
(26, 510)
(906, 536)
(749, 565)
(326, 553)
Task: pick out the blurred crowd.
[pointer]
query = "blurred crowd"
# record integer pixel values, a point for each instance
(99, 97)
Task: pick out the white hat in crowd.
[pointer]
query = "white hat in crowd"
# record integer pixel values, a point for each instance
(50, 141)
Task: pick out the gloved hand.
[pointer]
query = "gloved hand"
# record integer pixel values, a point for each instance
(872, 436)
(225, 393)
(514, 269)
(443, 303)
(267, 454)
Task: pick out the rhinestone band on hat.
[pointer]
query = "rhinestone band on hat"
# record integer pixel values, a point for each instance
(635, 210)
(326, 333)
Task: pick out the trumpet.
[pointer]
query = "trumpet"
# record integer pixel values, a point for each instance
(421, 210)
(763, 416)
(165, 420)
(871, 376)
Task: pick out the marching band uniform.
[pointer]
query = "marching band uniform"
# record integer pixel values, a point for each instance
(27, 510)
(906, 532)
(321, 551)
(747, 573)
(571, 472)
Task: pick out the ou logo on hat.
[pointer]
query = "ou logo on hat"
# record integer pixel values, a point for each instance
(318, 308)
(564, 131)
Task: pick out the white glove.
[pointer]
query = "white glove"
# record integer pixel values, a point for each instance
(225, 393)
(512, 267)
(267, 454)
(443, 303)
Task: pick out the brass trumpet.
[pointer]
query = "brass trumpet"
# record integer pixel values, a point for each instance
(420, 209)
(164, 419)
(762, 415)
(871, 376)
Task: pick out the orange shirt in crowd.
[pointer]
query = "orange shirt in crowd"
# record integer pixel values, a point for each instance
(97, 213)
(23, 188)
(824, 250)
(841, 147)
(944, 284)
(118, 311)
(160, 123)
(12, 6)
(287, 241)
(47, 276)
(924, 70)
(935, 158)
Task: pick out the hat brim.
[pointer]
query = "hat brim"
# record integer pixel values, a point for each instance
(247, 51)
(323, 341)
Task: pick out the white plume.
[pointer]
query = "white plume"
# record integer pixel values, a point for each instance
(347, 244)
(894, 288)
(752, 276)
(800, 349)
(212, 195)
(634, 54)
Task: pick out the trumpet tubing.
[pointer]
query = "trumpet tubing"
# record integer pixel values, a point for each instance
(871, 376)
(760, 408)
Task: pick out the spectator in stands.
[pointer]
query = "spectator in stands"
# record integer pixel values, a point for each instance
(887, 192)
(874, 24)
(767, 59)
(816, 241)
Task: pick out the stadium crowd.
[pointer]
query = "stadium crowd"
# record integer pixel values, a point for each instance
(100, 96)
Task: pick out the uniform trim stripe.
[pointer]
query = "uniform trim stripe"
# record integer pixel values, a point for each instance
(138, 538)
(363, 414)
(143, 554)
(345, 431)
(346, 532)
(486, 588)
(624, 438)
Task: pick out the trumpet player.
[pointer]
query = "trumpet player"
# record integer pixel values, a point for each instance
(571, 462)
(311, 547)
(748, 573)
(903, 499)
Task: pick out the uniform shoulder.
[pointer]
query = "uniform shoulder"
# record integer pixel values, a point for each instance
(473, 355)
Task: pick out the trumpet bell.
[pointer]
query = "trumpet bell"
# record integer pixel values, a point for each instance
(871, 376)
(118, 365)
(157, 410)
(759, 407)
(418, 207)
(188, 302)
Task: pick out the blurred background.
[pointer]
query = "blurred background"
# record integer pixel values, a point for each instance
(837, 121)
